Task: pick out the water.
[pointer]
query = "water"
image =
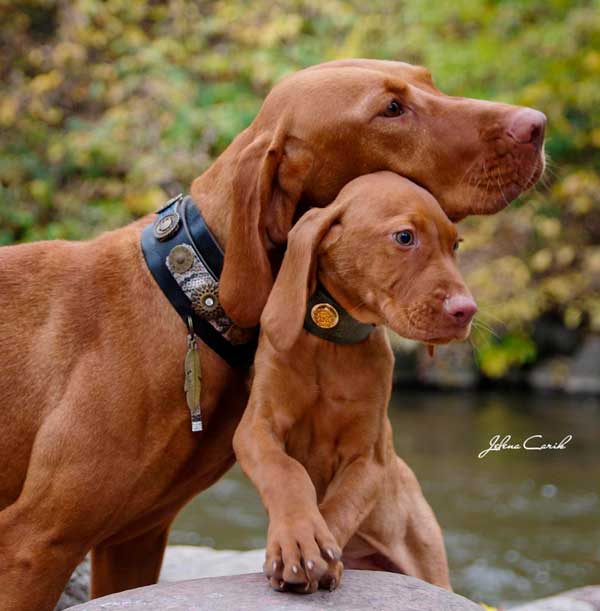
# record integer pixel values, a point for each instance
(518, 525)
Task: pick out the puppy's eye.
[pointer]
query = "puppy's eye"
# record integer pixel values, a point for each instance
(394, 109)
(405, 237)
(456, 244)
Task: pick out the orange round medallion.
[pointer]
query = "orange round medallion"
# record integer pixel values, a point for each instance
(324, 315)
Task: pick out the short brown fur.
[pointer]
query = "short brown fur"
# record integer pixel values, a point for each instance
(315, 438)
(97, 452)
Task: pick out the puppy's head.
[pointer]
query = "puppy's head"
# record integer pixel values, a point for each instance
(389, 262)
(322, 127)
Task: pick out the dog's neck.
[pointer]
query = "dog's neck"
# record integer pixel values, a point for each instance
(213, 190)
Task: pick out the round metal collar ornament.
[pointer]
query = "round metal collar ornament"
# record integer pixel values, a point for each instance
(181, 258)
(165, 226)
(324, 315)
(205, 301)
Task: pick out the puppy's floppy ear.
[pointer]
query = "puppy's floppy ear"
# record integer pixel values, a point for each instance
(267, 185)
(283, 317)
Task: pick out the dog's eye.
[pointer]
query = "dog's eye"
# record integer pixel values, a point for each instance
(394, 109)
(456, 244)
(405, 237)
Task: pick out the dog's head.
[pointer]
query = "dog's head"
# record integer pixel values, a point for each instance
(385, 250)
(323, 126)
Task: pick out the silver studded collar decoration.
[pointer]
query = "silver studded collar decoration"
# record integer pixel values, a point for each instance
(198, 284)
(166, 226)
(186, 262)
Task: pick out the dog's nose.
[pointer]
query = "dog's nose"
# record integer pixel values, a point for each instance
(528, 127)
(461, 308)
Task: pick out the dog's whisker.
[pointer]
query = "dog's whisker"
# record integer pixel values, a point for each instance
(468, 171)
(506, 200)
(476, 348)
(497, 319)
(478, 324)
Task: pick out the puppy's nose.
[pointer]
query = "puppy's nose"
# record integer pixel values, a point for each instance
(461, 308)
(528, 127)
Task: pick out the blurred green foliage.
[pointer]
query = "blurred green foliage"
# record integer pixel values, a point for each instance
(108, 105)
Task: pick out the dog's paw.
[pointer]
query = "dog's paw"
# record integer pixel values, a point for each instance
(300, 553)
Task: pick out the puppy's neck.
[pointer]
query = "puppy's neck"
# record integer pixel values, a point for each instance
(355, 306)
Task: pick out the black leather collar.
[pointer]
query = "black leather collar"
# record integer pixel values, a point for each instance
(186, 261)
(327, 319)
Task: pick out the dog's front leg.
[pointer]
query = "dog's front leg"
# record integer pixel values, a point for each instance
(401, 533)
(129, 564)
(300, 547)
(35, 560)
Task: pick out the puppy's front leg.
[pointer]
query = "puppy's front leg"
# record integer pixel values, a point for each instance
(401, 534)
(349, 499)
(300, 547)
(351, 496)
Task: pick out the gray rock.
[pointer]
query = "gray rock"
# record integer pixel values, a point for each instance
(452, 366)
(181, 562)
(359, 590)
(582, 599)
(78, 588)
(584, 373)
(190, 562)
(405, 360)
(551, 374)
(579, 373)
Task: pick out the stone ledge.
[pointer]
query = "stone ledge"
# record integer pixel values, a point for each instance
(360, 590)
(581, 599)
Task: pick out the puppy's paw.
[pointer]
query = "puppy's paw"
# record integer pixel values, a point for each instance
(300, 552)
(333, 576)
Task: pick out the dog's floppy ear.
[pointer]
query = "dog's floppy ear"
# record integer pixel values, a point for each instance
(283, 316)
(268, 182)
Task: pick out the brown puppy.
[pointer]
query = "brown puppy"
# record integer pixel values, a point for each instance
(315, 438)
(96, 450)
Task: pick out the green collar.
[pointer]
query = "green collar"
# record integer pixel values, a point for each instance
(327, 319)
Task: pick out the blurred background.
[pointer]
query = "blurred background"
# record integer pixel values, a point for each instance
(107, 107)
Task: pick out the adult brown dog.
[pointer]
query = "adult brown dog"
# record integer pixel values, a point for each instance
(96, 451)
(315, 438)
